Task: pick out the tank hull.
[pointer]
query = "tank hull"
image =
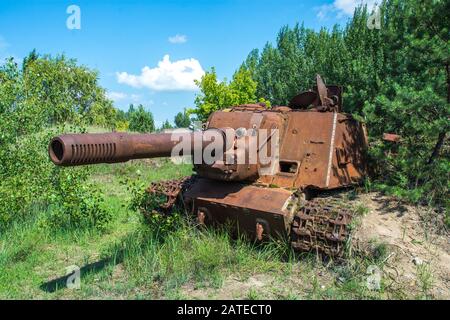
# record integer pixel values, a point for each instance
(242, 206)
(261, 213)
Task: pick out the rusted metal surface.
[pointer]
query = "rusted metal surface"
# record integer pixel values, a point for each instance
(259, 231)
(321, 225)
(82, 149)
(391, 137)
(93, 148)
(323, 98)
(241, 206)
(168, 191)
(249, 107)
(322, 150)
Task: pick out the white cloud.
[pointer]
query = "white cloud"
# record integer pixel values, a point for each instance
(178, 38)
(167, 76)
(348, 6)
(116, 96)
(124, 98)
(343, 7)
(324, 10)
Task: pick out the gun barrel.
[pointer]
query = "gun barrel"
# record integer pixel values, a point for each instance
(92, 148)
(82, 149)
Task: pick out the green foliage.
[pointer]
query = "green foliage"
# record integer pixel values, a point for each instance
(166, 125)
(23, 177)
(74, 202)
(395, 79)
(65, 91)
(45, 91)
(140, 119)
(350, 56)
(148, 205)
(414, 102)
(217, 95)
(182, 120)
(121, 120)
(425, 280)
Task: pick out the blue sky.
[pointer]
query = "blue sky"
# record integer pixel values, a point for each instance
(175, 40)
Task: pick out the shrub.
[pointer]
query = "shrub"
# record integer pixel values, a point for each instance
(122, 125)
(148, 205)
(75, 203)
(141, 120)
(182, 120)
(28, 179)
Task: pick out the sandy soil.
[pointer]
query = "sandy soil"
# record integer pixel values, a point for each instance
(414, 239)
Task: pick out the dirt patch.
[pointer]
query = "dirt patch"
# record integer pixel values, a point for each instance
(232, 288)
(418, 255)
(295, 285)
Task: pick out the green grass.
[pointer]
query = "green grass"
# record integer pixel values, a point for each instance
(31, 254)
(130, 260)
(425, 280)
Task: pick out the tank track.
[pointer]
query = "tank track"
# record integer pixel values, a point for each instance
(168, 191)
(321, 225)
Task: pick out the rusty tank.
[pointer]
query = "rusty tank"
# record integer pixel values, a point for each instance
(311, 148)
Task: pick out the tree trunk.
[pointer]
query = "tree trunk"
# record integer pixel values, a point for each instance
(441, 138)
(437, 148)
